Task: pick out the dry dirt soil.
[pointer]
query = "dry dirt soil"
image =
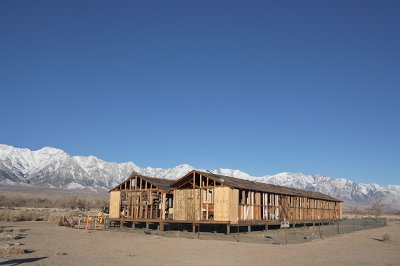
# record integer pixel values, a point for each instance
(50, 244)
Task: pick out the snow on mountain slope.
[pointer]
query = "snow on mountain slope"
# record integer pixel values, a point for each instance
(105, 174)
(55, 168)
(169, 173)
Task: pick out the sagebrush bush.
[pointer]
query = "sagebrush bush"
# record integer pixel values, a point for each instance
(7, 215)
(41, 212)
(386, 238)
(71, 203)
(11, 250)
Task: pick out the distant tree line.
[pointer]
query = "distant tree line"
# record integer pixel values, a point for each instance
(72, 203)
(377, 208)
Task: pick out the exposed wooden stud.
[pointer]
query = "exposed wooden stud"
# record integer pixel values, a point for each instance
(201, 199)
(163, 205)
(161, 226)
(194, 180)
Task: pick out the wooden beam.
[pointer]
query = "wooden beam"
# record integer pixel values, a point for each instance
(162, 226)
(141, 190)
(163, 203)
(201, 202)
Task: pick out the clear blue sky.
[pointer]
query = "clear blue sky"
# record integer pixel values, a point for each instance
(260, 86)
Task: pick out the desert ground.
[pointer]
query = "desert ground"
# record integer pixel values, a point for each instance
(49, 244)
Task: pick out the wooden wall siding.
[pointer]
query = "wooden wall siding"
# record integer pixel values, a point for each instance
(217, 204)
(301, 208)
(187, 204)
(115, 202)
(258, 206)
(234, 204)
(226, 204)
(194, 199)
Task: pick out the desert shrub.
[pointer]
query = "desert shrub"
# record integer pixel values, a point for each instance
(70, 203)
(377, 208)
(41, 203)
(11, 250)
(355, 211)
(18, 201)
(77, 203)
(386, 238)
(3, 201)
(7, 215)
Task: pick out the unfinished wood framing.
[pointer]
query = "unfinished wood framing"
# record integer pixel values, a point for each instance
(140, 198)
(201, 197)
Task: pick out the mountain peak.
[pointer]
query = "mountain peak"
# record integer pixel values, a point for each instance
(56, 168)
(183, 166)
(50, 151)
(5, 146)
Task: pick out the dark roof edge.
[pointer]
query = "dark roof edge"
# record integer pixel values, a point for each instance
(149, 179)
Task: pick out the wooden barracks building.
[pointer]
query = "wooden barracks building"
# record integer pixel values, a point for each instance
(206, 198)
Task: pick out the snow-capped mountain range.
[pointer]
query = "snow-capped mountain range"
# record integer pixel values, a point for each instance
(52, 167)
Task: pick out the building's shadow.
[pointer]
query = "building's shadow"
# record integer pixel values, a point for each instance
(14, 262)
(377, 239)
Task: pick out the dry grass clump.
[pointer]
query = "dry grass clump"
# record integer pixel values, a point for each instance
(386, 238)
(10, 234)
(7, 215)
(377, 208)
(11, 249)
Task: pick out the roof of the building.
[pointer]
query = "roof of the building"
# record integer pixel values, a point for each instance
(158, 182)
(258, 186)
(233, 182)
